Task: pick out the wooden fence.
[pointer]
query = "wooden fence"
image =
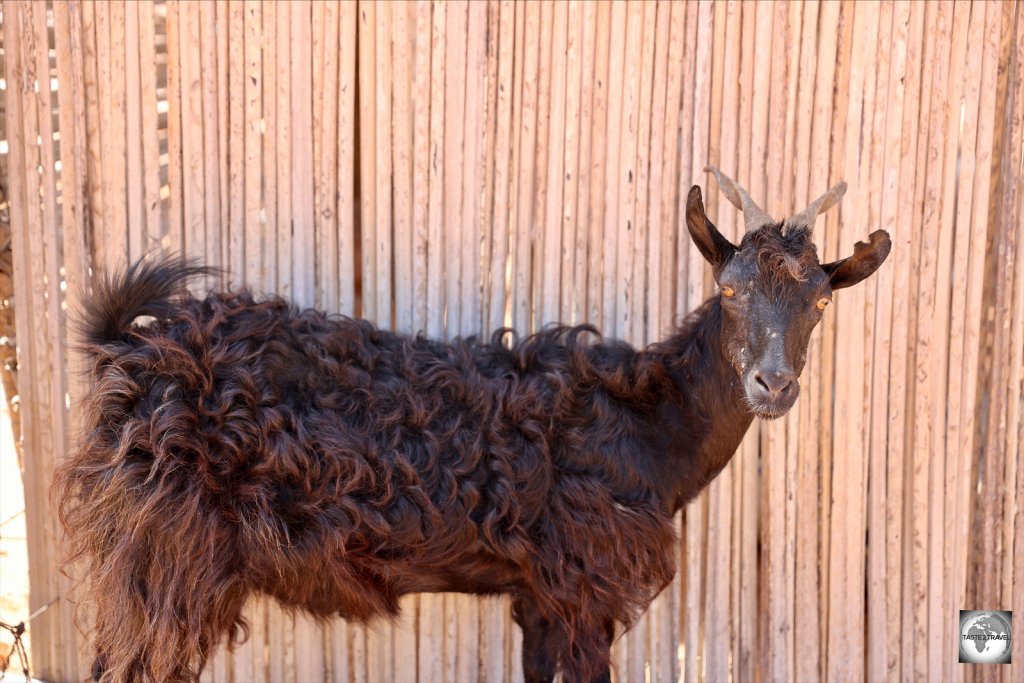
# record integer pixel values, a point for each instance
(453, 167)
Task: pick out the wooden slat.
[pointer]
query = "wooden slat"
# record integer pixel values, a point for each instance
(380, 247)
(596, 210)
(402, 40)
(154, 228)
(236, 231)
(209, 246)
(525, 148)
(303, 250)
(367, 153)
(133, 115)
(254, 240)
(421, 174)
(528, 162)
(560, 139)
(347, 146)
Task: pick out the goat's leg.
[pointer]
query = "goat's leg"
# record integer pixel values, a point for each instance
(541, 641)
(544, 639)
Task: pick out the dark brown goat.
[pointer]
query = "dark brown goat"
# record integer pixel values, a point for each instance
(237, 447)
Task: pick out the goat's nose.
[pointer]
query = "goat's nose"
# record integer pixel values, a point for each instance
(775, 384)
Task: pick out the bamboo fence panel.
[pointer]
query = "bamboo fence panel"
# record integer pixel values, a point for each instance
(456, 167)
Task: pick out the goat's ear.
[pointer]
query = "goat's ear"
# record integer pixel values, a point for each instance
(867, 257)
(711, 243)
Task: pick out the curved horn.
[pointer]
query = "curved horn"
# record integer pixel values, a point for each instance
(753, 216)
(820, 205)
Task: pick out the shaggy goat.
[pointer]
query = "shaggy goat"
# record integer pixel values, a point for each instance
(237, 446)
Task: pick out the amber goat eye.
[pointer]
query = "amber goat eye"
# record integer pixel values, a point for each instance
(823, 302)
(727, 291)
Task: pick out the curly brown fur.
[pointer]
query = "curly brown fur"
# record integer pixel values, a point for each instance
(242, 446)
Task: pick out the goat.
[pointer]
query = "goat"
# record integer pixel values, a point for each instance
(237, 446)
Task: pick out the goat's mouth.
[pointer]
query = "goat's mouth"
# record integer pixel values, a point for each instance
(769, 408)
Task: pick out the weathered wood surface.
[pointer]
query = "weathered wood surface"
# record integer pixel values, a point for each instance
(455, 167)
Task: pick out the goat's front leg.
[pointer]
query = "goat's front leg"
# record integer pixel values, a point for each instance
(543, 640)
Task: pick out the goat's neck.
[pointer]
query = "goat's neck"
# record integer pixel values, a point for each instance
(705, 417)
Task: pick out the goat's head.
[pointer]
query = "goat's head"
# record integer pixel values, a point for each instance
(774, 290)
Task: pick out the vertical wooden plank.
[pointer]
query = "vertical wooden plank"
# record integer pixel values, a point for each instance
(542, 43)
(932, 310)
(347, 146)
(225, 27)
(115, 144)
(235, 147)
(341, 663)
(501, 166)
(193, 181)
(92, 109)
(254, 237)
(422, 167)
(153, 229)
(473, 185)
(133, 113)
(303, 250)
(320, 80)
(879, 292)
(587, 39)
(208, 104)
(268, 271)
(558, 140)
(368, 223)
(612, 171)
(284, 223)
(402, 39)
(381, 245)
(526, 132)
(594, 305)
(915, 589)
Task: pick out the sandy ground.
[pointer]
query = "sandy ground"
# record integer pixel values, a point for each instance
(13, 549)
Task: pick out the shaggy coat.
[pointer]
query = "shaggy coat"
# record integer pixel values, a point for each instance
(237, 446)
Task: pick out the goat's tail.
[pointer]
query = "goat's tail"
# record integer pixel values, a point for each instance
(144, 288)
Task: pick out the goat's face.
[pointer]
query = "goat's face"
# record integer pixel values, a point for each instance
(773, 292)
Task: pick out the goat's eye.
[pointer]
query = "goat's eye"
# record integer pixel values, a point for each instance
(823, 302)
(728, 291)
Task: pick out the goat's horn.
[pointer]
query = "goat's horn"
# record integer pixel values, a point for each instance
(820, 205)
(753, 215)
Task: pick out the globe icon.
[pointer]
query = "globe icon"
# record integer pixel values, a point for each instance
(985, 638)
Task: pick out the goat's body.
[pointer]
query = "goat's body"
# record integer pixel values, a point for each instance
(238, 447)
(242, 447)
